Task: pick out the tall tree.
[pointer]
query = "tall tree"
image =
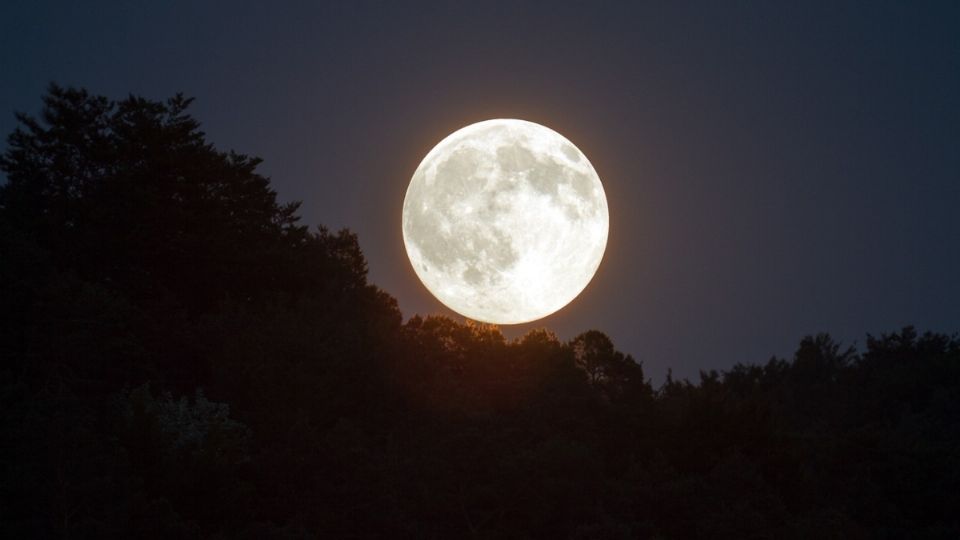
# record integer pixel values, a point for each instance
(130, 192)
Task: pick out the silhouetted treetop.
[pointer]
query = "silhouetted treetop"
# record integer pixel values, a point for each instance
(127, 197)
(130, 191)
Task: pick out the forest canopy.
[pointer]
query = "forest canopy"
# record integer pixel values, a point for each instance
(181, 357)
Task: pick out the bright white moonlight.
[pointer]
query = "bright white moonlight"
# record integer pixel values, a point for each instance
(505, 221)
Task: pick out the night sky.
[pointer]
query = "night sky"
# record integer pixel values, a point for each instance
(772, 170)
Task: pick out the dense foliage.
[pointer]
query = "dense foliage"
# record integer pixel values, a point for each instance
(181, 358)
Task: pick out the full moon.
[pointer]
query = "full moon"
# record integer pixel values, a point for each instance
(505, 221)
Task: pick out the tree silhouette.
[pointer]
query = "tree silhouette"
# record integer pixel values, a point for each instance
(181, 358)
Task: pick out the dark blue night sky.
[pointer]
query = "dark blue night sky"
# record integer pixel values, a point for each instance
(773, 169)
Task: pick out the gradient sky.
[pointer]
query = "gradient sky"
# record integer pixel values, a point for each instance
(773, 169)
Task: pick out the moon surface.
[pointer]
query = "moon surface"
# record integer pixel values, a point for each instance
(505, 221)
